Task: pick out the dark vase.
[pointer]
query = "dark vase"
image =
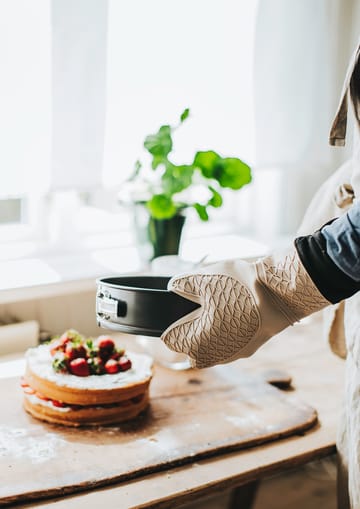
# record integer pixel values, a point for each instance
(157, 237)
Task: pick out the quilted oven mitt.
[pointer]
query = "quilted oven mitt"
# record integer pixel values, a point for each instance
(242, 305)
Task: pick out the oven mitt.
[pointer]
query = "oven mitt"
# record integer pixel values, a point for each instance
(242, 305)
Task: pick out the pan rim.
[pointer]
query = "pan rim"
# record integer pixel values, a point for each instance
(104, 281)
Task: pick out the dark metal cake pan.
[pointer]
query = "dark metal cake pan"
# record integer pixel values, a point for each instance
(139, 304)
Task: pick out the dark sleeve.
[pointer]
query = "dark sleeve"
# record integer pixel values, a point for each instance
(331, 282)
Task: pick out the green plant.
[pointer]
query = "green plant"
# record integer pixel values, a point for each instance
(208, 169)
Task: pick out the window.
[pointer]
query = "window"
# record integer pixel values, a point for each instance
(84, 82)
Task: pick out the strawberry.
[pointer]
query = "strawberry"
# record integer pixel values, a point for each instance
(59, 404)
(56, 346)
(73, 351)
(79, 367)
(23, 383)
(106, 347)
(60, 343)
(96, 366)
(111, 366)
(118, 352)
(105, 342)
(64, 339)
(124, 364)
(70, 335)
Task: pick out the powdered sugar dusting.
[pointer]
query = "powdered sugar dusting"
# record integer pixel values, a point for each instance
(40, 360)
(18, 443)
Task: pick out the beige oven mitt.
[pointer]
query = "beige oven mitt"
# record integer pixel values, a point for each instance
(242, 305)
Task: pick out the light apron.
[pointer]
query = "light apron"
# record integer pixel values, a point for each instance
(342, 321)
(348, 442)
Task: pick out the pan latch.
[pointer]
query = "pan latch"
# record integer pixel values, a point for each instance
(109, 308)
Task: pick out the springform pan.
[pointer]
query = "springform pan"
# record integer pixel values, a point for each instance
(139, 304)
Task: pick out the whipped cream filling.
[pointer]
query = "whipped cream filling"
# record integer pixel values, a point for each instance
(40, 361)
(34, 400)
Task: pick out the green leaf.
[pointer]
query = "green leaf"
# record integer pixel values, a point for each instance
(233, 173)
(216, 199)
(176, 178)
(184, 115)
(207, 162)
(161, 206)
(159, 144)
(157, 160)
(201, 210)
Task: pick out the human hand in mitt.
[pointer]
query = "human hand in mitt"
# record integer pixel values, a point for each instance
(243, 304)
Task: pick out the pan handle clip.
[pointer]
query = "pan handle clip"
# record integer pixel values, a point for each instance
(109, 308)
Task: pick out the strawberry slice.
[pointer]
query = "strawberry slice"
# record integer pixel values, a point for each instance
(29, 390)
(23, 383)
(111, 366)
(79, 367)
(76, 407)
(59, 404)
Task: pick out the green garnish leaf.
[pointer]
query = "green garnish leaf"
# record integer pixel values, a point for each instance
(59, 364)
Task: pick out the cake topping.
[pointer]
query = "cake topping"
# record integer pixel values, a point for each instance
(75, 354)
(96, 366)
(112, 366)
(124, 364)
(79, 367)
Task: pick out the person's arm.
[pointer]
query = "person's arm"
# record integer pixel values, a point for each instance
(329, 257)
(242, 304)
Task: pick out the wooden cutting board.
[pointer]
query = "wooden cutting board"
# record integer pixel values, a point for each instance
(193, 414)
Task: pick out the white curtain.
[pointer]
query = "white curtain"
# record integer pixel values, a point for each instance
(84, 81)
(79, 45)
(25, 96)
(52, 95)
(301, 52)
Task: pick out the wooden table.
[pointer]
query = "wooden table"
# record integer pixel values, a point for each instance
(318, 380)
